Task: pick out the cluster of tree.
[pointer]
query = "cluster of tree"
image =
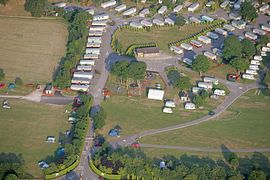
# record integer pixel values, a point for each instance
(75, 46)
(12, 167)
(72, 144)
(36, 7)
(248, 11)
(99, 118)
(133, 163)
(18, 81)
(237, 53)
(2, 74)
(201, 64)
(180, 82)
(4, 2)
(200, 98)
(180, 20)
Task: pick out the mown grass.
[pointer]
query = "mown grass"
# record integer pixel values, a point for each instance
(24, 129)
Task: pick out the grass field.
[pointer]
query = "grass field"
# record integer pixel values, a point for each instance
(24, 129)
(31, 48)
(162, 37)
(244, 125)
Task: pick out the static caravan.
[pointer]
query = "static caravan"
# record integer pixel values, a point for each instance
(162, 10)
(250, 71)
(263, 53)
(97, 28)
(193, 19)
(268, 44)
(156, 94)
(219, 92)
(212, 35)
(217, 51)
(264, 8)
(77, 87)
(99, 23)
(100, 17)
(190, 106)
(254, 62)
(83, 74)
(221, 31)
(84, 68)
(136, 25)
(177, 8)
(92, 51)
(188, 61)
(210, 55)
(196, 43)
(257, 57)
(204, 39)
(167, 110)
(93, 45)
(144, 12)
(95, 33)
(205, 85)
(251, 36)
(108, 4)
(248, 76)
(207, 18)
(254, 67)
(90, 62)
(258, 31)
(130, 12)
(94, 39)
(210, 80)
(76, 80)
(193, 7)
(146, 23)
(170, 104)
(169, 21)
(158, 22)
(121, 8)
(266, 49)
(196, 90)
(224, 4)
(228, 27)
(176, 49)
(60, 4)
(235, 16)
(186, 46)
(239, 24)
(90, 56)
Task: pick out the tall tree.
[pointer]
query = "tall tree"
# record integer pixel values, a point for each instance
(99, 119)
(248, 11)
(137, 70)
(248, 48)
(120, 69)
(232, 48)
(239, 63)
(201, 64)
(36, 7)
(173, 76)
(183, 83)
(257, 175)
(264, 39)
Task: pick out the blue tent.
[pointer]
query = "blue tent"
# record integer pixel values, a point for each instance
(11, 86)
(113, 133)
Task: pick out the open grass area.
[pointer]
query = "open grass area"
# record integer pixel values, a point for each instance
(244, 125)
(24, 129)
(14, 8)
(162, 37)
(31, 48)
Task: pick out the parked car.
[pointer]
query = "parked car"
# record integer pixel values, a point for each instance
(211, 113)
(135, 145)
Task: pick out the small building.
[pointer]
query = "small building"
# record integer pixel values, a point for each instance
(108, 4)
(79, 87)
(144, 12)
(84, 68)
(210, 55)
(258, 31)
(188, 61)
(158, 22)
(176, 49)
(50, 139)
(224, 4)
(102, 16)
(257, 57)
(136, 25)
(184, 96)
(147, 52)
(177, 8)
(83, 74)
(90, 56)
(49, 90)
(228, 27)
(193, 19)
(94, 39)
(146, 23)
(205, 85)
(190, 106)
(221, 31)
(240, 24)
(60, 4)
(212, 35)
(207, 18)
(264, 8)
(92, 51)
(250, 71)
(248, 76)
(90, 62)
(99, 22)
(167, 110)
(97, 28)
(196, 90)
(254, 62)
(210, 80)
(204, 39)
(162, 10)
(93, 45)
(219, 92)
(121, 8)
(193, 7)
(170, 104)
(234, 16)
(186, 46)
(130, 11)
(156, 94)
(169, 21)
(254, 67)
(251, 36)
(76, 80)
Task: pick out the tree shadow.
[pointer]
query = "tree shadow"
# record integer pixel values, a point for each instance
(192, 160)
(115, 57)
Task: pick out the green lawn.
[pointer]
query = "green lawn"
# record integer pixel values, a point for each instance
(244, 125)
(24, 129)
(162, 37)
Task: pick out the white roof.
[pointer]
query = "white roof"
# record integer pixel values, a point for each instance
(156, 94)
(121, 7)
(190, 106)
(144, 12)
(158, 22)
(135, 24)
(177, 8)
(129, 11)
(169, 21)
(162, 10)
(170, 104)
(145, 22)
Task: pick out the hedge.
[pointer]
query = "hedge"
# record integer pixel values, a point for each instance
(98, 172)
(130, 50)
(64, 171)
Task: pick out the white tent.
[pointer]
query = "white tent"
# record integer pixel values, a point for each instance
(156, 94)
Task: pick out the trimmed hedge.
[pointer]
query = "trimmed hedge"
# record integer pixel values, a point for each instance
(100, 173)
(130, 50)
(64, 171)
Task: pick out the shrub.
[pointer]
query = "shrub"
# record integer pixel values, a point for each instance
(2, 74)
(18, 81)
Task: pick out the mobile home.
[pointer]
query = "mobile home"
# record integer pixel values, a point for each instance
(84, 68)
(162, 10)
(146, 23)
(90, 62)
(169, 21)
(176, 49)
(99, 23)
(219, 92)
(158, 22)
(100, 17)
(221, 31)
(94, 39)
(177, 8)
(78, 87)
(254, 62)
(83, 74)
(224, 4)
(257, 57)
(193, 7)
(130, 12)
(239, 24)
(193, 19)
(212, 35)
(196, 43)
(144, 12)
(228, 27)
(92, 51)
(264, 8)
(136, 25)
(196, 90)
(254, 67)
(76, 80)
(205, 85)
(95, 33)
(121, 8)
(190, 106)
(97, 28)
(251, 36)
(108, 4)
(210, 80)
(188, 61)
(90, 56)
(207, 18)
(250, 71)
(258, 31)
(186, 46)
(204, 39)
(248, 76)
(210, 55)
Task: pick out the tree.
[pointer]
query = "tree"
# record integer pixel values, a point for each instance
(204, 94)
(2, 74)
(264, 39)
(180, 20)
(198, 100)
(257, 175)
(173, 76)
(239, 63)
(36, 7)
(201, 64)
(232, 48)
(11, 177)
(266, 79)
(99, 119)
(4, 2)
(18, 81)
(137, 70)
(120, 69)
(183, 83)
(248, 48)
(248, 11)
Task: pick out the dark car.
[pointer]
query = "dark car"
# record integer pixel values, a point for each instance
(211, 113)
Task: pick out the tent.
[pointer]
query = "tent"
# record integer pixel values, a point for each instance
(11, 86)
(114, 133)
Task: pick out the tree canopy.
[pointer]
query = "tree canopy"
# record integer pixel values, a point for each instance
(264, 39)
(99, 119)
(248, 48)
(232, 48)
(36, 7)
(248, 11)
(180, 20)
(201, 64)
(180, 82)
(239, 63)
(2, 74)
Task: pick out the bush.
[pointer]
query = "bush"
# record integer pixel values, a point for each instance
(2, 74)
(99, 119)
(18, 81)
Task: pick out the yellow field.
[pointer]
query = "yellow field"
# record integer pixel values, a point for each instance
(31, 47)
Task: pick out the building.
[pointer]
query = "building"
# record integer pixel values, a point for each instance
(190, 106)
(186, 46)
(100, 17)
(108, 4)
(210, 80)
(248, 76)
(158, 22)
(90, 62)
(167, 110)
(99, 22)
(176, 49)
(210, 55)
(156, 94)
(169, 21)
(219, 92)
(204, 39)
(170, 104)
(234, 16)
(228, 27)
(79, 87)
(97, 28)
(162, 10)
(90, 56)
(94, 39)
(205, 85)
(76, 80)
(93, 45)
(193, 7)
(60, 4)
(207, 18)
(264, 8)
(147, 52)
(50, 139)
(239, 24)
(130, 11)
(177, 8)
(221, 31)
(136, 25)
(259, 31)
(144, 12)
(92, 51)
(188, 61)
(95, 33)
(224, 4)
(84, 68)
(212, 35)
(83, 74)
(193, 19)
(121, 8)
(196, 90)
(146, 23)
(184, 96)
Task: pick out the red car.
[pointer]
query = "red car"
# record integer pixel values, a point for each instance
(135, 145)
(2, 86)
(232, 77)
